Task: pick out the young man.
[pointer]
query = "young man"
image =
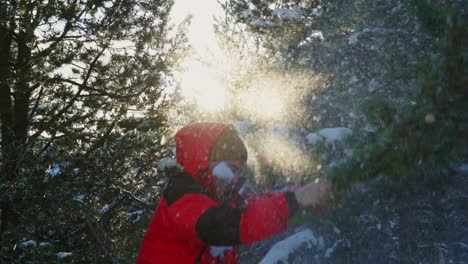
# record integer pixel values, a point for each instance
(201, 217)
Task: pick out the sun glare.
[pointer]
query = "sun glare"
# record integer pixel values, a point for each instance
(200, 83)
(207, 78)
(286, 157)
(262, 103)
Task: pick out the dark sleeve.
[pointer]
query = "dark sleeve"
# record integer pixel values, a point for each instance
(220, 226)
(260, 219)
(293, 205)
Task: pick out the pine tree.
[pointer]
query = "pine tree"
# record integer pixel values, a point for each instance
(425, 137)
(421, 137)
(84, 91)
(276, 26)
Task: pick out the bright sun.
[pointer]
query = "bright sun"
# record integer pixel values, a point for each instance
(202, 81)
(262, 103)
(200, 85)
(199, 81)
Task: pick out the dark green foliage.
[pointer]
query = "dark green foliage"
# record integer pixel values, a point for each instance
(415, 130)
(275, 24)
(84, 102)
(424, 136)
(431, 14)
(379, 113)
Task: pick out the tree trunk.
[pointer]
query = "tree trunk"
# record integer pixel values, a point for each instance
(6, 119)
(6, 107)
(22, 96)
(13, 114)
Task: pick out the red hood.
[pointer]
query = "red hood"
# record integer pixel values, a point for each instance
(193, 147)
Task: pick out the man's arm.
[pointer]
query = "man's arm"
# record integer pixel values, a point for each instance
(259, 219)
(202, 218)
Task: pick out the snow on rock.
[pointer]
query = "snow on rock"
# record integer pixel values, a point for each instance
(28, 243)
(62, 255)
(281, 250)
(330, 135)
(167, 163)
(223, 171)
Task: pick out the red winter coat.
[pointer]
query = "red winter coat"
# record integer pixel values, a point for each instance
(189, 220)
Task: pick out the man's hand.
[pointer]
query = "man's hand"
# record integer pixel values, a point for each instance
(314, 193)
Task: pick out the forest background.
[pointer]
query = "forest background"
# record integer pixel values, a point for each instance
(90, 98)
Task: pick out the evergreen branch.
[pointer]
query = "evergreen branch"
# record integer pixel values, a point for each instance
(138, 201)
(100, 92)
(101, 140)
(81, 87)
(36, 104)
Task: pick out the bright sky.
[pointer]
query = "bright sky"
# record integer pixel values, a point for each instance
(202, 83)
(199, 81)
(201, 33)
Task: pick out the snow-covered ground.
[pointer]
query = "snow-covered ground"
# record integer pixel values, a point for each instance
(283, 249)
